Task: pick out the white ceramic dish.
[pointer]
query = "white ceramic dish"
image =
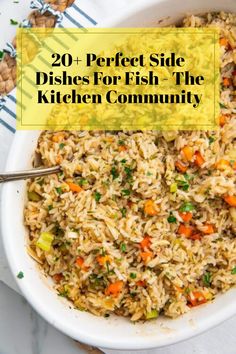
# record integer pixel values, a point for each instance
(112, 332)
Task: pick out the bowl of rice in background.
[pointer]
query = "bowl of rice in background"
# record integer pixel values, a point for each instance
(133, 245)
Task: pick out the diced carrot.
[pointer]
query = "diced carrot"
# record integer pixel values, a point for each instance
(141, 283)
(199, 160)
(185, 230)
(187, 151)
(122, 148)
(57, 277)
(224, 42)
(186, 216)
(178, 289)
(234, 165)
(226, 82)
(58, 159)
(196, 298)
(149, 208)
(58, 137)
(231, 200)
(74, 187)
(208, 229)
(146, 242)
(146, 256)
(222, 164)
(114, 288)
(102, 260)
(80, 262)
(180, 166)
(196, 237)
(223, 119)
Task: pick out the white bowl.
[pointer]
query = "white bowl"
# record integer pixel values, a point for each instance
(113, 332)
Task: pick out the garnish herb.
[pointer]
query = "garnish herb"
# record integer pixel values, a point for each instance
(132, 275)
(182, 184)
(171, 219)
(97, 196)
(61, 146)
(187, 207)
(123, 212)
(123, 161)
(50, 207)
(114, 172)
(121, 142)
(211, 139)
(207, 278)
(128, 172)
(20, 275)
(13, 22)
(126, 192)
(59, 190)
(82, 181)
(233, 271)
(1, 54)
(123, 247)
(222, 105)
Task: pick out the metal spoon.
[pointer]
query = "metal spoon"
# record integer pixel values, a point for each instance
(35, 172)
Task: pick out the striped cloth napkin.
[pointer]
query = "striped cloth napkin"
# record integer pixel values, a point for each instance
(82, 14)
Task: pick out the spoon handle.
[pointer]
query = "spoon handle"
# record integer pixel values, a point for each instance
(36, 172)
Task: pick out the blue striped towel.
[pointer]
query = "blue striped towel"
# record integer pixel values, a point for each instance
(78, 15)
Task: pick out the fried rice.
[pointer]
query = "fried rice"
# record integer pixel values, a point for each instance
(141, 223)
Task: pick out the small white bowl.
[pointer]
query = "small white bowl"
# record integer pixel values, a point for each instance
(113, 332)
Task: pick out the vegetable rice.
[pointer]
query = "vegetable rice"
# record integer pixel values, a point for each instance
(141, 223)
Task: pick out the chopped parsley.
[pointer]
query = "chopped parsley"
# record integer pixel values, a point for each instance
(1, 54)
(171, 219)
(149, 174)
(114, 172)
(97, 196)
(59, 190)
(82, 181)
(222, 105)
(13, 22)
(126, 192)
(187, 207)
(61, 146)
(121, 142)
(182, 184)
(207, 278)
(123, 161)
(123, 212)
(187, 290)
(123, 247)
(188, 177)
(211, 139)
(233, 271)
(128, 172)
(20, 275)
(50, 207)
(132, 275)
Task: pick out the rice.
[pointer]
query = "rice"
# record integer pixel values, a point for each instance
(136, 224)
